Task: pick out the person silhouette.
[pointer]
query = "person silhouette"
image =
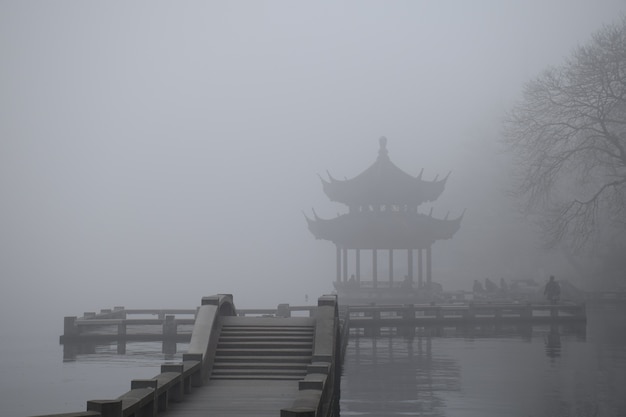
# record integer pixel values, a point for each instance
(552, 290)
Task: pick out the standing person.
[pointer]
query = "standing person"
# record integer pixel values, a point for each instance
(552, 290)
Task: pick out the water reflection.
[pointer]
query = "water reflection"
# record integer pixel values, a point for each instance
(553, 342)
(396, 373)
(75, 350)
(105, 337)
(138, 353)
(487, 370)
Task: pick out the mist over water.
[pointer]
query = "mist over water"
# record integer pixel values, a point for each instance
(155, 152)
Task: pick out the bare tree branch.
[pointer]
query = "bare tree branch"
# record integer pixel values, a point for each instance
(568, 137)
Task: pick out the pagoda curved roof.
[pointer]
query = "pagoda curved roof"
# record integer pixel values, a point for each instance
(384, 230)
(383, 183)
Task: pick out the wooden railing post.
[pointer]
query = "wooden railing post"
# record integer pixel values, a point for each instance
(119, 312)
(196, 379)
(121, 330)
(106, 408)
(376, 316)
(177, 392)
(439, 312)
(150, 409)
(408, 313)
(497, 312)
(554, 311)
(169, 327)
(528, 311)
(283, 310)
(69, 326)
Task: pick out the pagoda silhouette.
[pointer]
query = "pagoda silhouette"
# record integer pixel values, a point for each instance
(383, 215)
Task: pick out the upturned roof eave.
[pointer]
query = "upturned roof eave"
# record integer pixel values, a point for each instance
(383, 183)
(362, 192)
(410, 231)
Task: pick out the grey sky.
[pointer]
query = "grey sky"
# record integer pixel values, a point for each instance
(154, 152)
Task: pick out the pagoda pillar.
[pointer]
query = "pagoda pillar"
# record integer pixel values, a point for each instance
(358, 265)
(375, 267)
(420, 274)
(345, 264)
(429, 268)
(338, 263)
(409, 257)
(390, 268)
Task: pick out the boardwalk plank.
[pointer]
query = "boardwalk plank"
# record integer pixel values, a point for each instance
(238, 398)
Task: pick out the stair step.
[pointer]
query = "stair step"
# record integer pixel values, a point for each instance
(264, 338)
(268, 352)
(231, 332)
(289, 372)
(259, 365)
(261, 336)
(264, 349)
(263, 345)
(265, 327)
(260, 377)
(266, 334)
(304, 359)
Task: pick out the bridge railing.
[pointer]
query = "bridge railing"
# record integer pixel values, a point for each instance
(89, 326)
(606, 296)
(282, 310)
(205, 334)
(147, 397)
(318, 392)
(76, 329)
(435, 313)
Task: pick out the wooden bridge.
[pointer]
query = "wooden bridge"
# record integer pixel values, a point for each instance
(239, 363)
(266, 362)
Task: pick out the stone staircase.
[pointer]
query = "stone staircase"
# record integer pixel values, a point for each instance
(268, 348)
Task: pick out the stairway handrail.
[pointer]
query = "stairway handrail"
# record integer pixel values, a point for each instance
(205, 334)
(318, 391)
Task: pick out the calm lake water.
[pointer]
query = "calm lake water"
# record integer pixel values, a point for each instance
(487, 371)
(482, 371)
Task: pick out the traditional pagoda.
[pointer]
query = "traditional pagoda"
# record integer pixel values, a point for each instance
(383, 215)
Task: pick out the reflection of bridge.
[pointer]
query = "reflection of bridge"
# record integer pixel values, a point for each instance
(266, 362)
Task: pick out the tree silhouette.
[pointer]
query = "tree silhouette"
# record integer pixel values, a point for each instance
(568, 138)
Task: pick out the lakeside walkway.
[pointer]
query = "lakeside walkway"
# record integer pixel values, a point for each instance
(262, 365)
(237, 398)
(266, 362)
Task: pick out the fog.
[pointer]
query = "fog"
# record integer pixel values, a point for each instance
(155, 152)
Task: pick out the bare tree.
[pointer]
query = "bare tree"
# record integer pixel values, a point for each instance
(568, 137)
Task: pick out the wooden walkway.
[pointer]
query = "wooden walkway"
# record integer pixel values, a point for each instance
(459, 314)
(263, 365)
(236, 398)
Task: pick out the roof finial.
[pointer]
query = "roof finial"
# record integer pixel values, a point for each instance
(383, 146)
